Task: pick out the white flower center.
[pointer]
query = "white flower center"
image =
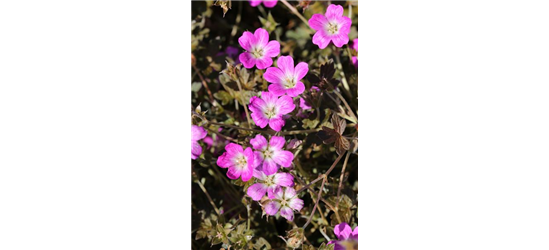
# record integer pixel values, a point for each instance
(332, 28)
(269, 181)
(289, 82)
(241, 162)
(257, 52)
(270, 112)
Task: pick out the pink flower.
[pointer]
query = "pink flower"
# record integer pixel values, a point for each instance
(197, 133)
(269, 110)
(269, 184)
(258, 49)
(347, 238)
(331, 27)
(286, 79)
(239, 162)
(266, 3)
(270, 156)
(355, 47)
(284, 200)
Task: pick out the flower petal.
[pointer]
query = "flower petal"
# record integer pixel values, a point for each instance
(297, 90)
(284, 158)
(277, 142)
(273, 75)
(271, 190)
(256, 104)
(289, 193)
(264, 62)
(259, 174)
(259, 142)
(296, 203)
(257, 191)
(196, 150)
(278, 193)
(258, 160)
(269, 3)
(272, 49)
(261, 36)
(247, 60)
(355, 44)
(345, 23)
(284, 179)
(255, 3)
(223, 161)
(342, 231)
(334, 11)
(287, 213)
(318, 21)
(269, 98)
(301, 70)
(276, 123)
(272, 207)
(286, 64)
(234, 148)
(304, 105)
(354, 235)
(286, 104)
(197, 133)
(247, 40)
(277, 89)
(320, 39)
(269, 167)
(340, 39)
(260, 119)
(234, 173)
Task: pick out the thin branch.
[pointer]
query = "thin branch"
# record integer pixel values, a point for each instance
(324, 234)
(237, 127)
(223, 136)
(346, 105)
(341, 178)
(323, 175)
(212, 100)
(208, 195)
(296, 132)
(294, 10)
(316, 203)
(242, 101)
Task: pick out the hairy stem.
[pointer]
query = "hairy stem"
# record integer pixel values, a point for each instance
(322, 175)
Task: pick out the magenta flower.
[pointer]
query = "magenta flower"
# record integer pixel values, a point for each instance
(355, 47)
(332, 26)
(269, 184)
(266, 3)
(269, 156)
(286, 79)
(284, 200)
(197, 133)
(239, 162)
(258, 49)
(269, 110)
(347, 238)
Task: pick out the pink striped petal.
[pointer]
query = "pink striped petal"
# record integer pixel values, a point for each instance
(277, 142)
(285, 104)
(273, 75)
(318, 21)
(354, 235)
(287, 213)
(340, 39)
(269, 167)
(247, 60)
(257, 191)
(296, 204)
(296, 90)
(261, 37)
(342, 231)
(334, 11)
(320, 39)
(272, 207)
(255, 3)
(247, 40)
(284, 158)
(276, 123)
(260, 119)
(259, 142)
(264, 62)
(286, 64)
(301, 70)
(277, 89)
(196, 150)
(234, 173)
(272, 49)
(269, 3)
(284, 179)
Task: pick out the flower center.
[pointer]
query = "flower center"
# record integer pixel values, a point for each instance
(289, 82)
(257, 53)
(270, 112)
(332, 28)
(269, 181)
(241, 162)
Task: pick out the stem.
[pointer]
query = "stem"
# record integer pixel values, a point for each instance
(316, 203)
(208, 195)
(323, 175)
(223, 136)
(294, 10)
(242, 101)
(343, 77)
(212, 100)
(248, 223)
(341, 178)
(324, 234)
(237, 127)
(346, 104)
(296, 132)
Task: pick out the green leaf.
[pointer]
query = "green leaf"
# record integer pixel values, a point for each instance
(224, 97)
(310, 124)
(268, 23)
(195, 86)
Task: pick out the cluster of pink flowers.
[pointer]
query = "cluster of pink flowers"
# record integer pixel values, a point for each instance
(264, 161)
